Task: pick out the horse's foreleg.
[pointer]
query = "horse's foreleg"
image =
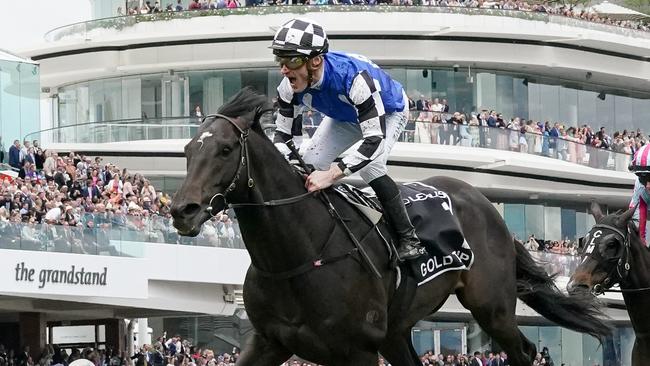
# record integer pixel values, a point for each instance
(258, 351)
(399, 351)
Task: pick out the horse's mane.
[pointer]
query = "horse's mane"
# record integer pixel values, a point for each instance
(245, 101)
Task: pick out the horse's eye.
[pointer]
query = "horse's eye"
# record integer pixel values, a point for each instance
(226, 150)
(611, 244)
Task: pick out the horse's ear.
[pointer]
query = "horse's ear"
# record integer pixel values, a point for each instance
(596, 211)
(263, 112)
(627, 215)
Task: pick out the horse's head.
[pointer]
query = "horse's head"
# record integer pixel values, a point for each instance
(216, 161)
(606, 254)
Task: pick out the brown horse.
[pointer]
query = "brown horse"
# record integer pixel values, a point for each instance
(339, 313)
(615, 254)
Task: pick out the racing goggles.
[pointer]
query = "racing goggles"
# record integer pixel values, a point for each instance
(643, 178)
(292, 63)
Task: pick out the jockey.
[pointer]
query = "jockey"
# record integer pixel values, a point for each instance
(641, 197)
(361, 104)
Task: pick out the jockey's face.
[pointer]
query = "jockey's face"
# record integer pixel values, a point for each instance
(644, 179)
(298, 78)
(296, 70)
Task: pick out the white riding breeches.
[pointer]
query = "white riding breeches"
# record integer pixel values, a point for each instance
(333, 137)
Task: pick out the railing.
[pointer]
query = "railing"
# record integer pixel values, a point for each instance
(562, 264)
(120, 131)
(561, 148)
(123, 236)
(114, 235)
(425, 132)
(84, 30)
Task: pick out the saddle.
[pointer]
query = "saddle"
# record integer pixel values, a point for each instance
(431, 213)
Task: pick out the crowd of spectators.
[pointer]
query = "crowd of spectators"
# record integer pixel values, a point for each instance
(478, 358)
(566, 246)
(553, 8)
(173, 351)
(77, 204)
(434, 123)
(176, 351)
(57, 189)
(54, 355)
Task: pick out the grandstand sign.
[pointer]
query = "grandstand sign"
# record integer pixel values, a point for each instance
(72, 274)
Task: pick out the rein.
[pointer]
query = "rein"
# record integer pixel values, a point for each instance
(622, 268)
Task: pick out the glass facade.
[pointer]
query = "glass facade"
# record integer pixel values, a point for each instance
(19, 102)
(178, 93)
(547, 221)
(222, 333)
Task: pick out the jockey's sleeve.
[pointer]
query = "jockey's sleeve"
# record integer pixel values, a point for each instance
(288, 116)
(365, 96)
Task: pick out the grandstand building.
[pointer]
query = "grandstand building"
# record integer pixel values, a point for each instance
(127, 88)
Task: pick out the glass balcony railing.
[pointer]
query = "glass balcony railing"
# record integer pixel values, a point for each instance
(567, 148)
(98, 27)
(125, 236)
(112, 234)
(563, 265)
(120, 131)
(564, 148)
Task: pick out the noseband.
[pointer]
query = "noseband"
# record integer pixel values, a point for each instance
(622, 268)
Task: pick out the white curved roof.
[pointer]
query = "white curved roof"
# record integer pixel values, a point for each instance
(8, 56)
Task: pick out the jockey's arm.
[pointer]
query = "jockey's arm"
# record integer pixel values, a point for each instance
(370, 108)
(288, 114)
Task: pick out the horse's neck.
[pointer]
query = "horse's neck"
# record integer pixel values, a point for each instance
(639, 275)
(281, 237)
(638, 302)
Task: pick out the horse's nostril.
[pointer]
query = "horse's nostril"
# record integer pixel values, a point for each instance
(577, 288)
(191, 209)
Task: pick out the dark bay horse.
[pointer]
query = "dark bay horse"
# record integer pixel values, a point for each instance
(338, 313)
(614, 254)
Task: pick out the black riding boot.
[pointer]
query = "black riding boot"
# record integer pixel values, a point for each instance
(409, 246)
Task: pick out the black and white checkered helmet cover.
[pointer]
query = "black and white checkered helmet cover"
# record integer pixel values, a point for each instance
(302, 36)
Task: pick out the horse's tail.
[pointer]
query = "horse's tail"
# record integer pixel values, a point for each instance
(537, 289)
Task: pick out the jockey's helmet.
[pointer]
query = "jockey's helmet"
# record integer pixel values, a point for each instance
(640, 164)
(300, 38)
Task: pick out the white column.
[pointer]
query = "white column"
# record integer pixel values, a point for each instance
(143, 332)
(436, 341)
(212, 95)
(131, 98)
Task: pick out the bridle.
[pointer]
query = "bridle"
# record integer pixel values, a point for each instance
(244, 161)
(618, 273)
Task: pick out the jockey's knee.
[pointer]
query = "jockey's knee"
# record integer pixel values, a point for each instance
(372, 172)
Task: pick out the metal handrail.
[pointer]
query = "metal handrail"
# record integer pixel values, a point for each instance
(135, 122)
(495, 138)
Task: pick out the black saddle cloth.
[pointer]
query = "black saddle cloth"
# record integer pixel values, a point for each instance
(431, 212)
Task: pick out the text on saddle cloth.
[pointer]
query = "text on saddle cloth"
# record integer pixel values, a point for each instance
(432, 215)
